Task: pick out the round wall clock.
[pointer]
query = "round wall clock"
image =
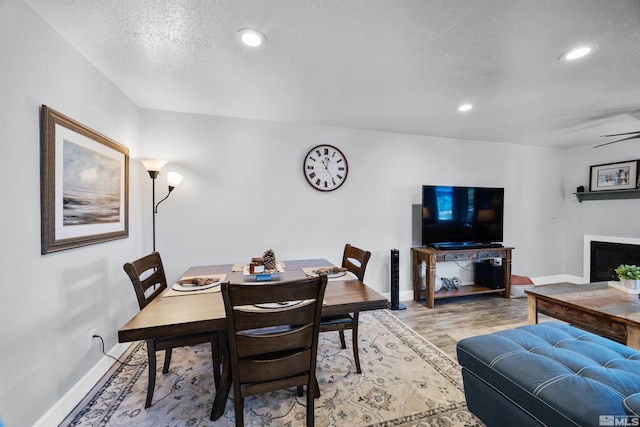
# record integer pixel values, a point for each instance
(325, 167)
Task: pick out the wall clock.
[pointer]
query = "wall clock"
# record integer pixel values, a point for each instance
(325, 167)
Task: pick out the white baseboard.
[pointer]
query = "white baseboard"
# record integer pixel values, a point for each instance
(62, 408)
(402, 296)
(546, 280)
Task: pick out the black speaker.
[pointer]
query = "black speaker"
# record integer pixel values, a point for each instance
(489, 275)
(395, 281)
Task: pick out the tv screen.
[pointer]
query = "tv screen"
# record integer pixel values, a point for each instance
(462, 216)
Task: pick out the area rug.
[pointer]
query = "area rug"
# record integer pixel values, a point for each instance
(405, 381)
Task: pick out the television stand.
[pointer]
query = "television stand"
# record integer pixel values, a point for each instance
(431, 256)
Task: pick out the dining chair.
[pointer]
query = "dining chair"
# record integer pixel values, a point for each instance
(355, 260)
(149, 280)
(272, 332)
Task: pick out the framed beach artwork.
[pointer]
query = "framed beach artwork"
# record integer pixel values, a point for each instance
(84, 185)
(614, 176)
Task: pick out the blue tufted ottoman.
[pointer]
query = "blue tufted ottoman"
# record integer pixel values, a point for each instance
(550, 374)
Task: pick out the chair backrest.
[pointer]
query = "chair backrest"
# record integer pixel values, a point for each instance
(146, 272)
(361, 258)
(273, 348)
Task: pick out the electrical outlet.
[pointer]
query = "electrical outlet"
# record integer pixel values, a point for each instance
(92, 340)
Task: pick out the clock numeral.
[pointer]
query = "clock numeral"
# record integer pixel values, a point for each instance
(318, 153)
(318, 181)
(339, 160)
(311, 167)
(312, 175)
(341, 168)
(326, 151)
(325, 184)
(339, 176)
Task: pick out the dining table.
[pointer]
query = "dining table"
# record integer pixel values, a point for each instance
(182, 313)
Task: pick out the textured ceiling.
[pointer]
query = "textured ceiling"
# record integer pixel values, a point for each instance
(389, 65)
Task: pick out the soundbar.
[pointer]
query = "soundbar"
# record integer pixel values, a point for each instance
(458, 246)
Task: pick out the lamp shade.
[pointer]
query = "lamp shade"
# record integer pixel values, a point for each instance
(174, 179)
(153, 165)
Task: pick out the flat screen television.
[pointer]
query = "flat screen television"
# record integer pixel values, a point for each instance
(462, 217)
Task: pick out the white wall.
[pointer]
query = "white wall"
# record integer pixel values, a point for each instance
(49, 303)
(244, 192)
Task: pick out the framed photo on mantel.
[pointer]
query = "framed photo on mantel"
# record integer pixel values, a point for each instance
(84, 185)
(614, 176)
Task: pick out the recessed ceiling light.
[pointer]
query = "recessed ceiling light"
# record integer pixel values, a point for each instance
(465, 107)
(579, 52)
(250, 38)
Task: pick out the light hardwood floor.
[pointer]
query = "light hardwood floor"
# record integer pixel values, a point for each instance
(450, 314)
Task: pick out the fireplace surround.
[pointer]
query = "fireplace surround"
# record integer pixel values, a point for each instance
(604, 253)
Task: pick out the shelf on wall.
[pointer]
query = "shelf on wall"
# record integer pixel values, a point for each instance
(610, 194)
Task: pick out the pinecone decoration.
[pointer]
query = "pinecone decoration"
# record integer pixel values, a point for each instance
(269, 260)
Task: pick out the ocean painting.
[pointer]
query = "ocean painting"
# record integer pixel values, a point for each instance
(91, 186)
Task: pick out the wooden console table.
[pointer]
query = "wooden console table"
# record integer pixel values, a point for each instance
(431, 256)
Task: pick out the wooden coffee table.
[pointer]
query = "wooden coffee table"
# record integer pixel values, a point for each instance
(595, 307)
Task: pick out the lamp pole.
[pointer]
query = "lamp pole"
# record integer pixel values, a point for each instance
(154, 175)
(153, 166)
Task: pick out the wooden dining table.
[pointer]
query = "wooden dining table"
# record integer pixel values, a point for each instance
(201, 311)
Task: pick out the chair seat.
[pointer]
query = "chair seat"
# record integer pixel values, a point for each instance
(343, 319)
(184, 341)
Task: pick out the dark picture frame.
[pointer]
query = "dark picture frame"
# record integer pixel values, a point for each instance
(614, 176)
(84, 185)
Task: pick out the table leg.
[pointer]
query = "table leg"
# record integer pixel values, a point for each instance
(222, 389)
(430, 281)
(633, 337)
(532, 309)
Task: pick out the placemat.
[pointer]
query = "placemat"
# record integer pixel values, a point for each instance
(173, 293)
(346, 276)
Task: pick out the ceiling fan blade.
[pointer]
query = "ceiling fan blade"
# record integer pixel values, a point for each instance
(618, 140)
(620, 134)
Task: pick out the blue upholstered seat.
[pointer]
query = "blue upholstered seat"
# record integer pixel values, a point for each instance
(548, 374)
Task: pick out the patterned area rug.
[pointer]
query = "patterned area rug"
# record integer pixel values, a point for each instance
(405, 381)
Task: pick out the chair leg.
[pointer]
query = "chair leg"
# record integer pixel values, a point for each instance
(151, 354)
(356, 352)
(342, 342)
(167, 361)
(215, 356)
(239, 406)
(223, 388)
(310, 406)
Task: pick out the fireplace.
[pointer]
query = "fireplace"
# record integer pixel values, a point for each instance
(607, 255)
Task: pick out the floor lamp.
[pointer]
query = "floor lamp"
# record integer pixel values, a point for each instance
(153, 166)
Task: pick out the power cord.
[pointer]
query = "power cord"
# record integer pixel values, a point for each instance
(108, 355)
(463, 267)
